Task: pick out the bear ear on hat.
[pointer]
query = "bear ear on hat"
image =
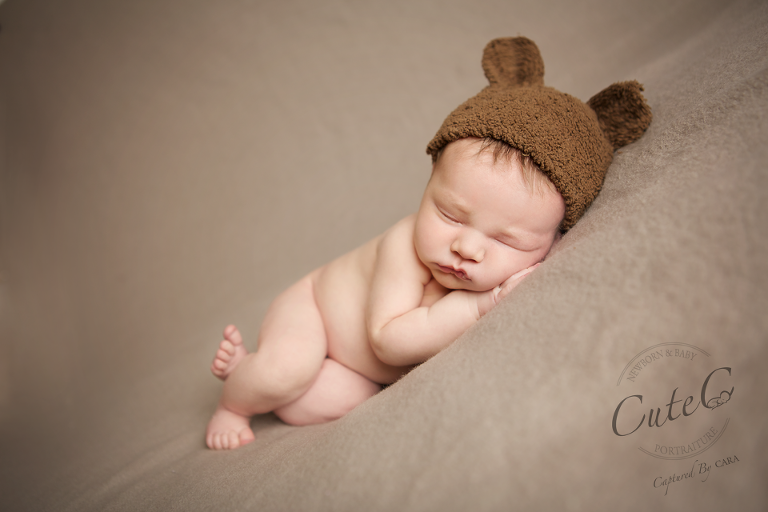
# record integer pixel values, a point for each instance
(513, 62)
(622, 112)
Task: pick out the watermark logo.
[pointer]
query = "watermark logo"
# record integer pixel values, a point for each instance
(675, 401)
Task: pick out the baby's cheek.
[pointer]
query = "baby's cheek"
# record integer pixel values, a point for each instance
(503, 265)
(425, 240)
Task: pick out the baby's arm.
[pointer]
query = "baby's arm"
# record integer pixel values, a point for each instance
(401, 331)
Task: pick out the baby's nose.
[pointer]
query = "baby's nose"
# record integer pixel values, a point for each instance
(469, 247)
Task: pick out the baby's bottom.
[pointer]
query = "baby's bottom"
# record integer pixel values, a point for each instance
(288, 374)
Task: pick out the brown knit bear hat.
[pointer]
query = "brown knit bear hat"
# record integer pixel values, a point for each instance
(571, 142)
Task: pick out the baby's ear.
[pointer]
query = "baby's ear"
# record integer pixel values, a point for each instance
(513, 62)
(622, 111)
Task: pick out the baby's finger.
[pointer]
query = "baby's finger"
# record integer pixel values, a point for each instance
(522, 273)
(508, 285)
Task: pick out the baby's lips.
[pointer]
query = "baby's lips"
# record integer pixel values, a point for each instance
(458, 273)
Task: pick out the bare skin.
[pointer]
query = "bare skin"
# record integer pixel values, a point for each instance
(329, 341)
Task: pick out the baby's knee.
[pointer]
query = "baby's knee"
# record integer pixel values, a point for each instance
(274, 379)
(336, 391)
(286, 377)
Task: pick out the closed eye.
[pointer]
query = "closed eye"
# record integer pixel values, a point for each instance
(504, 241)
(515, 245)
(448, 216)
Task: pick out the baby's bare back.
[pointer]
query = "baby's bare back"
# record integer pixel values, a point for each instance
(342, 289)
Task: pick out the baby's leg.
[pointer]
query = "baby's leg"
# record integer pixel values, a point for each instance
(291, 350)
(336, 391)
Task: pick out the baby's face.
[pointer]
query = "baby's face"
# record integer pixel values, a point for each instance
(478, 224)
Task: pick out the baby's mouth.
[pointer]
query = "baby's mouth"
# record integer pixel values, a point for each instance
(458, 273)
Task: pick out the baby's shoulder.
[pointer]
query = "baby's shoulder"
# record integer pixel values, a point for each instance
(400, 236)
(396, 253)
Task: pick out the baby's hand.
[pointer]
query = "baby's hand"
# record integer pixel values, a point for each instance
(487, 300)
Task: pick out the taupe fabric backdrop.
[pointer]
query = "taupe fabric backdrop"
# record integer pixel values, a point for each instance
(169, 166)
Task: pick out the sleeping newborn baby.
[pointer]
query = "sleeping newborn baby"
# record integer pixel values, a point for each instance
(513, 168)
(328, 342)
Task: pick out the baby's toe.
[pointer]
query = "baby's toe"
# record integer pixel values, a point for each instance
(246, 436)
(232, 334)
(213, 440)
(225, 351)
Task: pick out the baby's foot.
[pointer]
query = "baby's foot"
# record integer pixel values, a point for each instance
(227, 430)
(231, 352)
